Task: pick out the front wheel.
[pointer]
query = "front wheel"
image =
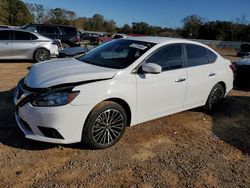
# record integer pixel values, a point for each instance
(105, 125)
(41, 55)
(215, 97)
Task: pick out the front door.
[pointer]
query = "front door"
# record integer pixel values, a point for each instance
(5, 45)
(163, 93)
(22, 45)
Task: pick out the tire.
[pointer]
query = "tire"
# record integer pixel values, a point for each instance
(215, 97)
(41, 54)
(64, 45)
(105, 125)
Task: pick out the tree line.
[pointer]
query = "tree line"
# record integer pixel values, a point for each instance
(16, 12)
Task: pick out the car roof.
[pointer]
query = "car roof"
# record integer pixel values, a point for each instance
(17, 29)
(168, 40)
(34, 33)
(14, 29)
(51, 25)
(158, 40)
(245, 61)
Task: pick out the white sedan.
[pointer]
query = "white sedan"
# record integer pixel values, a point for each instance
(119, 84)
(20, 44)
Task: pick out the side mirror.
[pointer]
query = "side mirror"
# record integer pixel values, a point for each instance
(151, 68)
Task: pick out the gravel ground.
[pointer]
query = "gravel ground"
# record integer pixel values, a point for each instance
(188, 149)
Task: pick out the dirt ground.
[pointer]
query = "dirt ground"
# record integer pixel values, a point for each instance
(188, 149)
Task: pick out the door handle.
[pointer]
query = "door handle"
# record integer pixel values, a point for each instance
(180, 80)
(212, 74)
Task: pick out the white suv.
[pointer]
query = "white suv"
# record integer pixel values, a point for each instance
(119, 84)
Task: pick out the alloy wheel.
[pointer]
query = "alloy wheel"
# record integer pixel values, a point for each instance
(218, 95)
(42, 55)
(108, 126)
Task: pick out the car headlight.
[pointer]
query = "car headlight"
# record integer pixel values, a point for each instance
(57, 98)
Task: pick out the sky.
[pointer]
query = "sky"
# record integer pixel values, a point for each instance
(164, 13)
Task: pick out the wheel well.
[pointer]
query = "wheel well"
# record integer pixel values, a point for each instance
(39, 49)
(125, 105)
(223, 85)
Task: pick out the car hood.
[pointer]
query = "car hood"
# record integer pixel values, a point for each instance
(73, 51)
(65, 71)
(245, 61)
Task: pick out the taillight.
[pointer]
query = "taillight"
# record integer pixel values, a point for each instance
(78, 39)
(233, 67)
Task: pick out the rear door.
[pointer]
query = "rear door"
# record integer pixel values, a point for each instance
(23, 45)
(201, 70)
(69, 34)
(5, 44)
(51, 32)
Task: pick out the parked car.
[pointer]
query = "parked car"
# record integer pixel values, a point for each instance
(4, 26)
(72, 52)
(116, 85)
(19, 44)
(92, 38)
(119, 36)
(244, 50)
(242, 73)
(104, 38)
(68, 35)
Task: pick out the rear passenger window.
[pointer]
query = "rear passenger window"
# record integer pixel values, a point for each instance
(212, 56)
(33, 37)
(48, 30)
(68, 30)
(31, 28)
(4, 35)
(196, 55)
(169, 57)
(19, 35)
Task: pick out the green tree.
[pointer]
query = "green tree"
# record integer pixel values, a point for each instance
(4, 12)
(245, 33)
(96, 23)
(140, 27)
(109, 26)
(217, 30)
(191, 26)
(126, 29)
(80, 23)
(18, 13)
(60, 16)
(38, 12)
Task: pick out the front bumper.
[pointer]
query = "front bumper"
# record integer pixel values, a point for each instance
(61, 124)
(68, 121)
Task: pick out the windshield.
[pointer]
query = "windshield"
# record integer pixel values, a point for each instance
(117, 54)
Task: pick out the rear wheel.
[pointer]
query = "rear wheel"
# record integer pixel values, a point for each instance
(105, 125)
(41, 55)
(215, 97)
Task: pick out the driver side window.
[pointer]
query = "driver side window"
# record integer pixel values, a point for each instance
(168, 57)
